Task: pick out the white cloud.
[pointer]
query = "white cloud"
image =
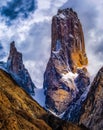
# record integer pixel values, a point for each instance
(33, 35)
(44, 5)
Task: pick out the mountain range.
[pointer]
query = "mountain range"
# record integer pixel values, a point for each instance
(75, 102)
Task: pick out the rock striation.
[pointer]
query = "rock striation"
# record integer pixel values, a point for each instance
(92, 111)
(18, 111)
(18, 71)
(66, 77)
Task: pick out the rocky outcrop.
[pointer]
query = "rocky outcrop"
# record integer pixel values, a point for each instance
(18, 71)
(66, 77)
(18, 111)
(92, 111)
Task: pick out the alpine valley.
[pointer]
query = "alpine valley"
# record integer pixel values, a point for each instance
(68, 100)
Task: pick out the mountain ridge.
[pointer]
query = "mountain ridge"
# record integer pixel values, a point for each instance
(19, 111)
(66, 84)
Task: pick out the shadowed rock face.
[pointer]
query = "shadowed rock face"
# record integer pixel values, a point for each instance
(92, 116)
(18, 111)
(63, 81)
(18, 71)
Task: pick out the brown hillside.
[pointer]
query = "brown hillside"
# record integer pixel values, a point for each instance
(18, 111)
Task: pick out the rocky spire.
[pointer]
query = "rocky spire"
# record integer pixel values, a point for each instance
(67, 62)
(17, 69)
(68, 39)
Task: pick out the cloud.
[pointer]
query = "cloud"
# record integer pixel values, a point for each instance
(33, 34)
(2, 53)
(4, 2)
(14, 8)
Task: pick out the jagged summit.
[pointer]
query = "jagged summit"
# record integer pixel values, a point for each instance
(14, 62)
(17, 69)
(63, 82)
(68, 38)
(67, 12)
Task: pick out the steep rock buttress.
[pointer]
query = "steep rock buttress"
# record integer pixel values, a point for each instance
(66, 77)
(92, 111)
(18, 71)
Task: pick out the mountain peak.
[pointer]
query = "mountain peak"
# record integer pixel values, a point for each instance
(63, 82)
(15, 62)
(12, 44)
(67, 12)
(12, 47)
(17, 69)
(68, 38)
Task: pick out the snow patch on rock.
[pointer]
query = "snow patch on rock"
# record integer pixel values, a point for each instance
(68, 78)
(70, 35)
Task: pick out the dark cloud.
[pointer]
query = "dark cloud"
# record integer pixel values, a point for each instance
(2, 53)
(15, 8)
(1, 47)
(99, 50)
(32, 35)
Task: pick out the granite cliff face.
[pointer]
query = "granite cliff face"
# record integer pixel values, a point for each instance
(66, 77)
(92, 111)
(68, 40)
(18, 111)
(18, 71)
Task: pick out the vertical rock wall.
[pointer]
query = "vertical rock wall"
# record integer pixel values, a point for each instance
(67, 61)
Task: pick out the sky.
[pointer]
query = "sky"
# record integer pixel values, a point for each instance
(28, 23)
